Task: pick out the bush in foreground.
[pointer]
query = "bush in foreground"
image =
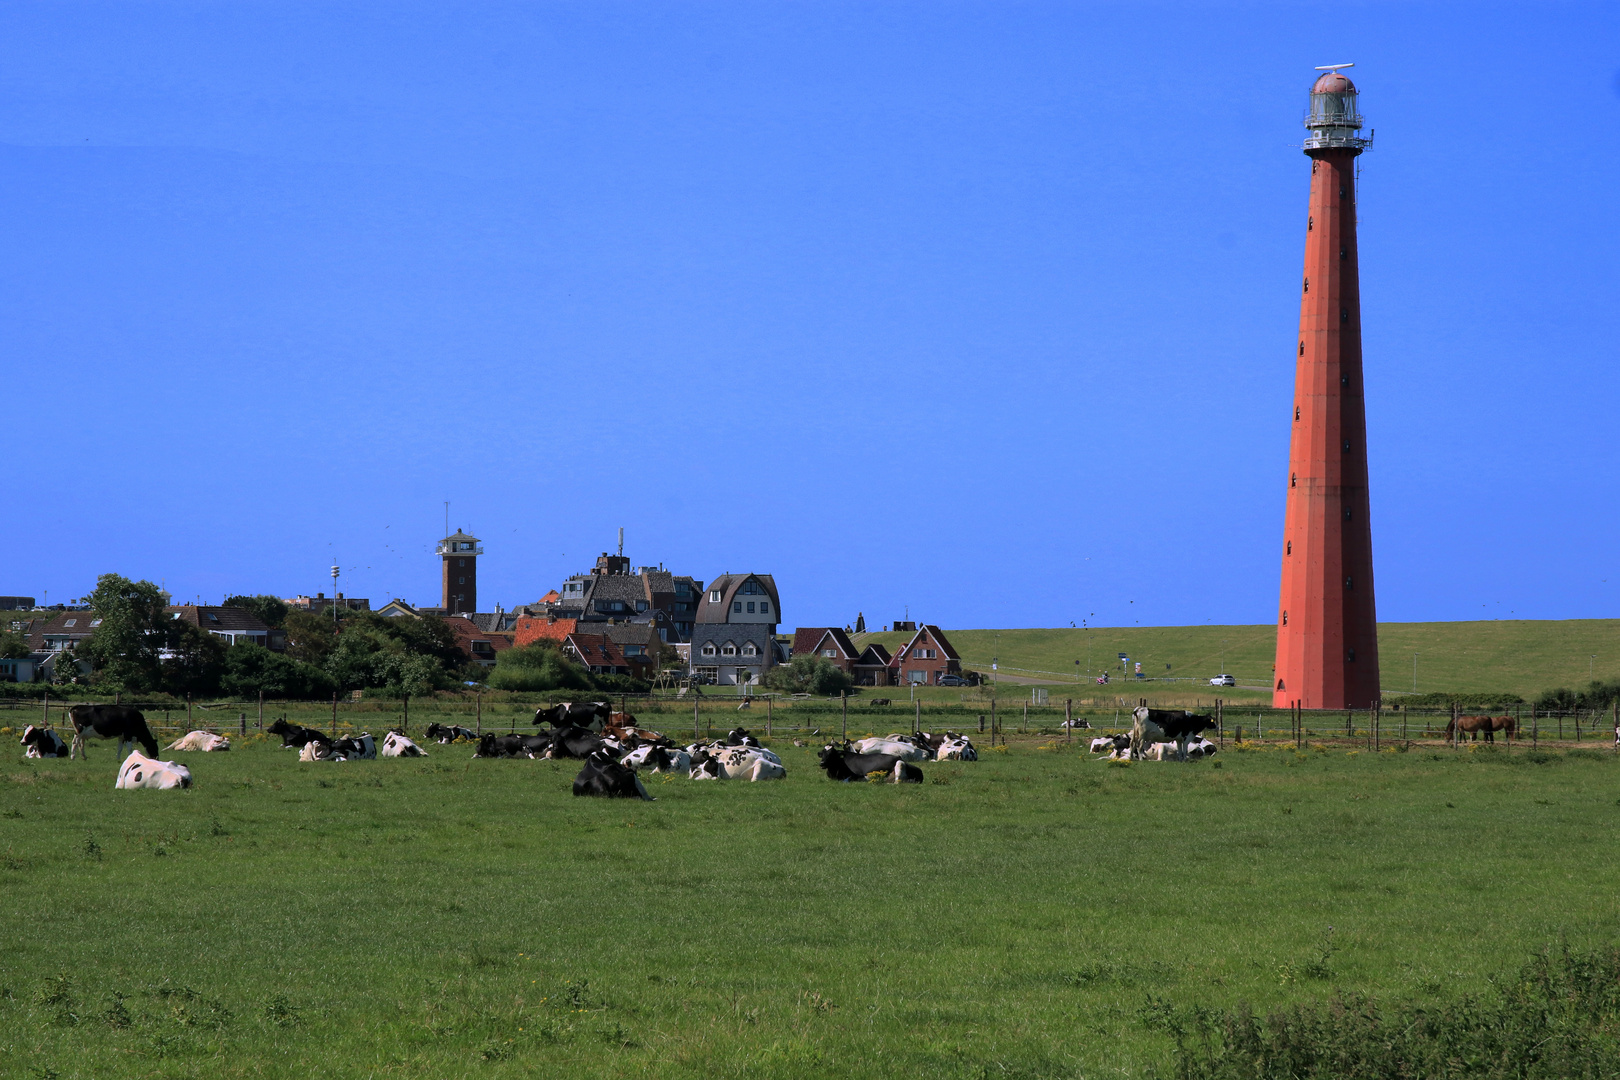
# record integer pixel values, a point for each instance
(1558, 1019)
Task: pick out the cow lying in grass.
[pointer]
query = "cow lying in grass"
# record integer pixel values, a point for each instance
(395, 744)
(42, 742)
(735, 763)
(205, 741)
(845, 763)
(449, 733)
(512, 746)
(658, 759)
(903, 747)
(294, 737)
(604, 777)
(138, 771)
(1196, 748)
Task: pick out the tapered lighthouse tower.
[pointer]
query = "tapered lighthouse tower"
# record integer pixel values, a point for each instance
(1327, 629)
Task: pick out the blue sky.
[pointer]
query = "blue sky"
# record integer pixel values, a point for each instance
(982, 313)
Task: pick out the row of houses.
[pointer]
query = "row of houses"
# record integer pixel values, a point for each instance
(926, 659)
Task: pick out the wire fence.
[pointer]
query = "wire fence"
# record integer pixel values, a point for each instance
(772, 714)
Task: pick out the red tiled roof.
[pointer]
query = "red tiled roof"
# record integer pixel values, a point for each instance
(529, 631)
(809, 640)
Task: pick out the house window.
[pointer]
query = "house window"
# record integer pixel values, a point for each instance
(750, 607)
(95, 622)
(635, 650)
(70, 622)
(829, 653)
(751, 588)
(750, 650)
(714, 596)
(728, 649)
(736, 606)
(461, 581)
(764, 607)
(641, 605)
(708, 648)
(461, 562)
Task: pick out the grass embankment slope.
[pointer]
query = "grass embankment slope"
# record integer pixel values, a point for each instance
(1012, 917)
(1521, 657)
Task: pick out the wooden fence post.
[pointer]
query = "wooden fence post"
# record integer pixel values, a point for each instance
(1068, 717)
(334, 712)
(770, 700)
(993, 721)
(188, 709)
(242, 716)
(1023, 725)
(694, 720)
(261, 710)
(1535, 729)
(981, 723)
(916, 719)
(46, 722)
(843, 702)
(405, 701)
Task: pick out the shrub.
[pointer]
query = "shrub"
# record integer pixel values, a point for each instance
(538, 667)
(1597, 695)
(809, 675)
(251, 668)
(1556, 1019)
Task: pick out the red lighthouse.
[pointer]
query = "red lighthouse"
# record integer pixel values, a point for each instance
(1327, 630)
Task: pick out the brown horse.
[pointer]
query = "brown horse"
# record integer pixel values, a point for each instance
(1472, 726)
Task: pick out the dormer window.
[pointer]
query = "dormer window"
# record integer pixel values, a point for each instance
(714, 596)
(641, 605)
(708, 648)
(750, 650)
(728, 649)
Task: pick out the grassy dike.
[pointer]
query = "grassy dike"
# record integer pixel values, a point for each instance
(1027, 915)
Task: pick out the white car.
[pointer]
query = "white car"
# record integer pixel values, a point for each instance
(1223, 680)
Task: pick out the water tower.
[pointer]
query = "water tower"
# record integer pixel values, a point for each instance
(1327, 629)
(460, 554)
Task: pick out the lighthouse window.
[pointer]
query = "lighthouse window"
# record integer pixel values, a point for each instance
(1350, 655)
(1350, 583)
(1341, 191)
(1296, 413)
(1348, 513)
(1347, 446)
(1285, 623)
(461, 581)
(1344, 380)
(1292, 477)
(1344, 314)
(1344, 253)
(1288, 548)
(1310, 223)
(1302, 348)
(461, 562)
(1307, 284)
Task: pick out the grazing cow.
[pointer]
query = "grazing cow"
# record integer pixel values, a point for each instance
(602, 776)
(42, 742)
(361, 747)
(899, 746)
(119, 722)
(1165, 725)
(956, 748)
(658, 759)
(449, 733)
(206, 741)
(144, 772)
(736, 763)
(397, 745)
(844, 763)
(586, 714)
(294, 737)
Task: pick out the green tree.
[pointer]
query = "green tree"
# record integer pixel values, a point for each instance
(194, 660)
(809, 675)
(13, 646)
(538, 667)
(127, 646)
(66, 667)
(250, 669)
(271, 610)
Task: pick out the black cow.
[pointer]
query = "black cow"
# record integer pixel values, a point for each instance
(294, 737)
(574, 742)
(119, 722)
(844, 764)
(740, 737)
(449, 733)
(586, 714)
(529, 746)
(603, 776)
(42, 742)
(1166, 725)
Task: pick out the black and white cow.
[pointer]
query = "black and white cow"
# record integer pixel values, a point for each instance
(119, 722)
(294, 737)
(395, 744)
(658, 759)
(449, 733)
(574, 742)
(144, 772)
(361, 747)
(1110, 744)
(844, 763)
(205, 741)
(42, 742)
(741, 737)
(602, 776)
(1163, 726)
(585, 714)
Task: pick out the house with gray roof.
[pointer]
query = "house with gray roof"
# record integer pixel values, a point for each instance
(734, 637)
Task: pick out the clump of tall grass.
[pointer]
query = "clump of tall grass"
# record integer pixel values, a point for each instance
(1558, 1018)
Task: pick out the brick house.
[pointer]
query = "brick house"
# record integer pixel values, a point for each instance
(479, 646)
(601, 655)
(828, 642)
(530, 629)
(874, 667)
(925, 657)
(613, 591)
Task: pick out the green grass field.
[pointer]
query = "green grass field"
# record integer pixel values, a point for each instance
(1015, 917)
(1522, 657)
